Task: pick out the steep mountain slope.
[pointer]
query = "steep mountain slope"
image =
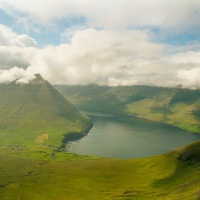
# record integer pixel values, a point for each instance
(175, 106)
(36, 112)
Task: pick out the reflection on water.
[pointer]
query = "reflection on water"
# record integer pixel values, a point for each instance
(117, 137)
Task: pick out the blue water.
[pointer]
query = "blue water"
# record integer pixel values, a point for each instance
(118, 137)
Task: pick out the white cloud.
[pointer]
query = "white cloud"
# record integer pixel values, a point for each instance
(190, 78)
(10, 38)
(95, 57)
(15, 49)
(11, 56)
(176, 15)
(104, 57)
(188, 58)
(14, 74)
(70, 31)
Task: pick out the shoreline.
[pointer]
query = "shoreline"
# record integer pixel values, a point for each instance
(75, 136)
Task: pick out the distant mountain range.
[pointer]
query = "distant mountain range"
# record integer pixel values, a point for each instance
(37, 113)
(175, 106)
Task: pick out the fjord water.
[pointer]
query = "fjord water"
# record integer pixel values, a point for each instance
(118, 137)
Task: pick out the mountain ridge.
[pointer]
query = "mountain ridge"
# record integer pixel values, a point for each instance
(175, 106)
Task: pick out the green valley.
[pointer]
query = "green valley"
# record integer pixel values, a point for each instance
(174, 106)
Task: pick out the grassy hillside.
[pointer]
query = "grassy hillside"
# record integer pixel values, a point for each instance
(175, 106)
(35, 117)
(36, 113)
(36, 175)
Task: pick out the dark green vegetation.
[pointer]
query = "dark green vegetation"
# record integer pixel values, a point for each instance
(36, 113)
(175, 106)
(33, 175)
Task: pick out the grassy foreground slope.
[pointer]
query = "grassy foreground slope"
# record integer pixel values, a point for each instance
(175, 106)
(36, 113)
(174, 175)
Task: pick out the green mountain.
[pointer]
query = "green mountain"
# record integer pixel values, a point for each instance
(175, 106)
(37, 113)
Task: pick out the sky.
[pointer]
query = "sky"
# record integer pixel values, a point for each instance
(104, 42)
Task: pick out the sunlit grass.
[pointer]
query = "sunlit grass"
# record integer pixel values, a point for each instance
(36, 175)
